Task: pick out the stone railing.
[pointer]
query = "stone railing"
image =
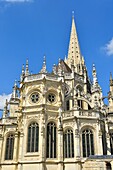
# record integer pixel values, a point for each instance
(10, 121)
(68, 114)
(41, 76)
(87, 113)
(33, 77)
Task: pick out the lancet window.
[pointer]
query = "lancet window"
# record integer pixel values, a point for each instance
(68, 144)
(51, 140)
(33, 137)
(9, 147)
(87, 143)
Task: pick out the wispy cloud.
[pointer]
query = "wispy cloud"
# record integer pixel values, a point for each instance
(16, 1)
(4, 4)
(3, 98)
(108, 48)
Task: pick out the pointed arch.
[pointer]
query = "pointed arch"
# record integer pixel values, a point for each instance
(87, 142)
(9, 147)
(68, 144)
(33, 137)
(51, 140)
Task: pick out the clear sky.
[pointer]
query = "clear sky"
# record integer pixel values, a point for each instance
(34, 28)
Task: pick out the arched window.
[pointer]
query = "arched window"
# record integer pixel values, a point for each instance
(111, 142)
(68, 144)
(51, 140)
(9, 147)
(33, 137)
(87, 143)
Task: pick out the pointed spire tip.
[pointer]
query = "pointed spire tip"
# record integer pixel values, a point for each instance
(72, 14)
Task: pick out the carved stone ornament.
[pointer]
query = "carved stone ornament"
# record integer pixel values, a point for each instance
(76, 132)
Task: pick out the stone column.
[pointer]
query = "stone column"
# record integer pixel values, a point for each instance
(15, 152)
(108, 144)
(42, 141)
(99, 140)
(60, 140)
(100, 146)
(21, 147)
(1, 148)
(60, 148)
(111, 165)
(76, 139)
(77, 144)
(107, 138)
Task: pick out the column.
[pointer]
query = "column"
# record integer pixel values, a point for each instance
(77, 144)
(60, 141)
(99, 140)
(76, 139)
(42, 139)
(100, 146)
(20, 152)
(60, 148)
(15, 152)
(107, 138)
(1, 148)
(108, 144)
(111, 165)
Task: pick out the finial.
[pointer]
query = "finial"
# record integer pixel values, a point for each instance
(93, 66)
(72, 14)
(59, 60)
(15, 92)
(110, 76)
(95, 81)
(54, 69)
(23, 71)
(27, 68)
(111, 79)
(5, 109)
(43, 70)
(15, 84)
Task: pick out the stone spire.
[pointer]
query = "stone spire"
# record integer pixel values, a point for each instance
(27, 68)
(15, 92)
(111, 80)
(59, 68)
(94, 73)
(43, 70)
(5, 111)
(23, 73)
(74, 54)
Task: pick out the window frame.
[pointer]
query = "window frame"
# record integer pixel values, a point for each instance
(51, 140)
(89, 137)
(9, 150)
(68, 143)
(33, 131)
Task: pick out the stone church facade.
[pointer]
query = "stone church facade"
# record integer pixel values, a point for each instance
(58, 120)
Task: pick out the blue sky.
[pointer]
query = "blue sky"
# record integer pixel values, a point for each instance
(34, 28)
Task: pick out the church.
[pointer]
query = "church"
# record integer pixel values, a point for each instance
(58, 120)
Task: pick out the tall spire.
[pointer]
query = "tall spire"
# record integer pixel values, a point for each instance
(43, 70)
(74, 55)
